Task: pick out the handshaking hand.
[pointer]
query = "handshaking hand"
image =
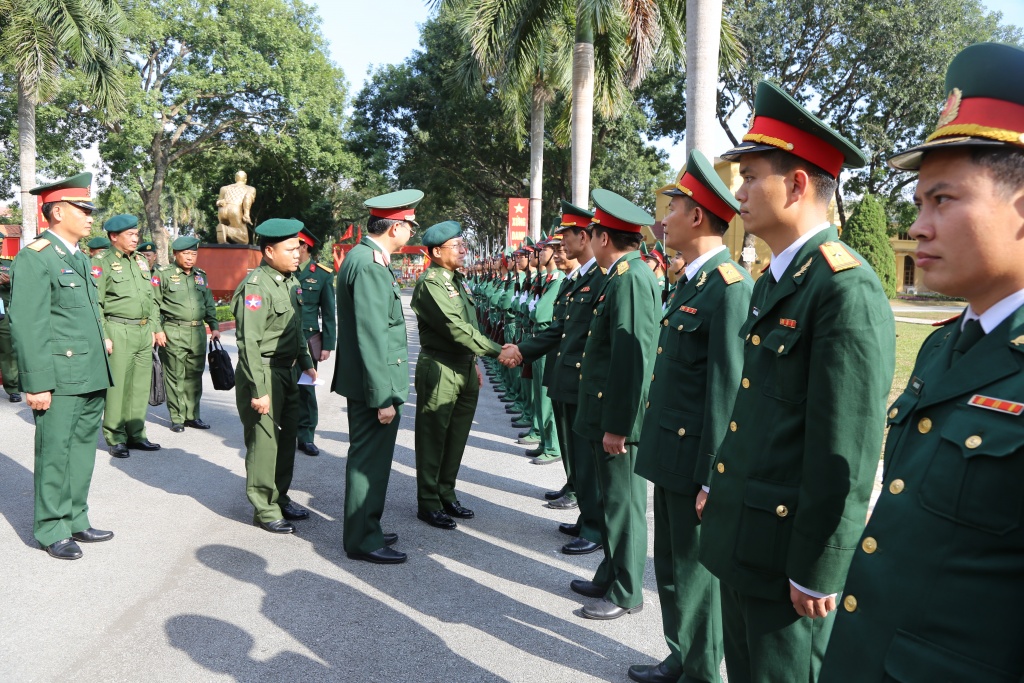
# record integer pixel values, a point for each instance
(510, 356)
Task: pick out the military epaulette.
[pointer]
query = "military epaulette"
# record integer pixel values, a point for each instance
(838, 256)
(324, 268)
(378, 258)
(39, 244)
(255, 277)
(729, 273)
(622, 267)
(430, 275)
(941, 323)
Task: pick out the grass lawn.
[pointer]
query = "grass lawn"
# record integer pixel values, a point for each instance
(909, 337)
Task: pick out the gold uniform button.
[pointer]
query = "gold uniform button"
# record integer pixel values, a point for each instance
(659, 350)
(681, 432)
(850, 603)
(896, 487)
(563, 336)
(924, 426)
(733, 426)
(973, 441)
(782, 348)
(893, 413)
(755, 340)
(584, 355)
(72, 284)
(600, 394)
(69, 353)
(652, 378)
(577, 365)
(869, 545)
(680, 328)
(647, 405)
(782, 511)
(588, 333)
(664, 323)
(581, 377)
(745, 383)
(721, 468)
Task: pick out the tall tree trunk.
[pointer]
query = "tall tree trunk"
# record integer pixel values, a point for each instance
(840, 207)
(703, 35)
(27, 162)
(536, 158)
(151, 203)
(582, 122)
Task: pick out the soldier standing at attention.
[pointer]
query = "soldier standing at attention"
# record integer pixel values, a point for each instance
(131, 325)
(791, 481)
(8, 358)
(448, 380)
(55, 324)
(935, 591)
(186, 307)
(697, 371)
(540, 313)
(375, 376)
(270, 345)
(316, 285)
(614, 378)
(97, 246)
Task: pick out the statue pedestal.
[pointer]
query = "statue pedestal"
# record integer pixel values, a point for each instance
(226, 265)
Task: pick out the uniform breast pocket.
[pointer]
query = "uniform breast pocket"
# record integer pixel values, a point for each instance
(72, 292)
(896, 420)
(681, 339)
(679, 442)
(766, 525)
(975, 474)
(70, 360)
(175, 287)
(787, 379)
(282, 305)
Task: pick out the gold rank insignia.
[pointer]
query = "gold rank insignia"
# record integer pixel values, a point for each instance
(622, 267)
(803, 268)
(998, 405)
(838, 256)
(702, 279)
(729, 273)
(1018, 341)
(39, 244)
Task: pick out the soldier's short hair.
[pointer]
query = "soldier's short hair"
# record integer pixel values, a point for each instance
(378, 226)
(824, 184)
(1006, 166)
(47, 209)
(718, 226)
(622, 241)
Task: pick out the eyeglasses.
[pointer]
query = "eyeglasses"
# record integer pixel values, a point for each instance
(456, 247)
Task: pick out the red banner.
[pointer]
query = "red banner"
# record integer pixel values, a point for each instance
(518, 220)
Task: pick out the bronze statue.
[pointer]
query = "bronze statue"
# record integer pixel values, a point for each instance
(233, 211)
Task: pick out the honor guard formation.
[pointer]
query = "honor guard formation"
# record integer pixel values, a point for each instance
(757, 410)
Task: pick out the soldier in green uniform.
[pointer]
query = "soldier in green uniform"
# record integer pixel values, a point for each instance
(934, 592)
(98, 246)
(374, 376)
(268, 331)
(55, 324)
(316, 285)
(131, 326)
(614, 380)
(8, 358)
(699, 359)
(186, 306)
(791, 481)
(148, 249)
(541, 312)
(448, 380)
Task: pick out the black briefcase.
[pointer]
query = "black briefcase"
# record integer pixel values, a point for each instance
(157, 391)
(221, 372)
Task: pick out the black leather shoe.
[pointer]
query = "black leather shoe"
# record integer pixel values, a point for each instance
(437, 518)
(580, 546)
(457, 510)
(570, 529)
(91, 535)
(177, 428)
(119, 450)
(390, 539)
(385, 555)
(605, 610)
(587, 588)
(564, 503)
(652, 673)
(196, 424)
(145, 445)
(14, 398)
(65, 549)
(534, 452)
(278, 526)
(521, 424)
(291, 511)
(555, 495)
(309, 448)
(505, 399)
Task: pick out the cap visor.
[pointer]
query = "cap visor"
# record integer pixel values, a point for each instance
(911, 159)
(86, 206)
(674, 192)
(746, 148)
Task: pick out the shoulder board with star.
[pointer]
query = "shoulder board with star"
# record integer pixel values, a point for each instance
(622, 267)
(378, 258)
(39, 244)
(729, 273)
(838, 256)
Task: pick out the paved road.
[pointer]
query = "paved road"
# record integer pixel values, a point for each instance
(189, 591)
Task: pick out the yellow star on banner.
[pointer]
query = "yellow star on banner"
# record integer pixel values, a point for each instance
(519, 208)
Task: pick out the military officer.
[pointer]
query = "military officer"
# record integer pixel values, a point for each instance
(8, 358)
(697, 371)
(186, 306)
(448, 380)
(97, 246)
(375, 375)
(614, 378)
(316, 285)
(541, 311)
(132, 326)
(148, 249)
(791, 480)
(934, 592)
(56, 328)
(270, 346)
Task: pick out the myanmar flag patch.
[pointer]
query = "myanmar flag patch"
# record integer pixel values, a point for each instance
(96, 271)
(253, 302)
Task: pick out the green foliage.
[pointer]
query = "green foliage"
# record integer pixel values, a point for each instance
(224, 313)
(866, 233)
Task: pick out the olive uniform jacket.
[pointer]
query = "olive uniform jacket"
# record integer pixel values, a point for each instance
(446, 315)
(697, 371)
(791, 483)
(125, 287)
(619, 355)
(936, 589)
(184, 297)
(55, 321)
(371, 331)
(316, 294)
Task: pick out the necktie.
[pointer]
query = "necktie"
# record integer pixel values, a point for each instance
(971, 334)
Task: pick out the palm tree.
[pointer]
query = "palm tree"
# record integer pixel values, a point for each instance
(43, 38)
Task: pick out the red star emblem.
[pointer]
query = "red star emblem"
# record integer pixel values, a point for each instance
(253, 302)
(97, 271)
(156, 281)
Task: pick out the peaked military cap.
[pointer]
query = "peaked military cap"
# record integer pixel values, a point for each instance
(574, 217)
(185, 243)
(279, 229)
(73, 190)
(655, 253)
(701, 183)
(120, 223)
(438, 234)
(309, 238)
(780, 122)
(984, 104)
(615, 212)
(98, 243)
(398, 206)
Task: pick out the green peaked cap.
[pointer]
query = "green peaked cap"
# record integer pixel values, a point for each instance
(701, 183)
(184, 243)
(780, 122)
(391, 205)
(643, 249)
(146, 248)
(438, 234)
(279, 228)
(618, 213)
(992, 71)
(98, 243)
(52, 191)
(120, 223)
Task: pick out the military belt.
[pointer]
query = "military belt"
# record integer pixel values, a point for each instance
(184, 323)
(127, 321)
(450, 357)
(278, 362)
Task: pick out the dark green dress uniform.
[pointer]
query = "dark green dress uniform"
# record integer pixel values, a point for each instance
(541, 312)
(791, 482)
(316, 282)
(55, 325)
(371, 370)
(697, 371)
(446, 382)
(935, 590)
(186, 307)
(614, 379)
(8, 357)
(271, 351)
(130, 318)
